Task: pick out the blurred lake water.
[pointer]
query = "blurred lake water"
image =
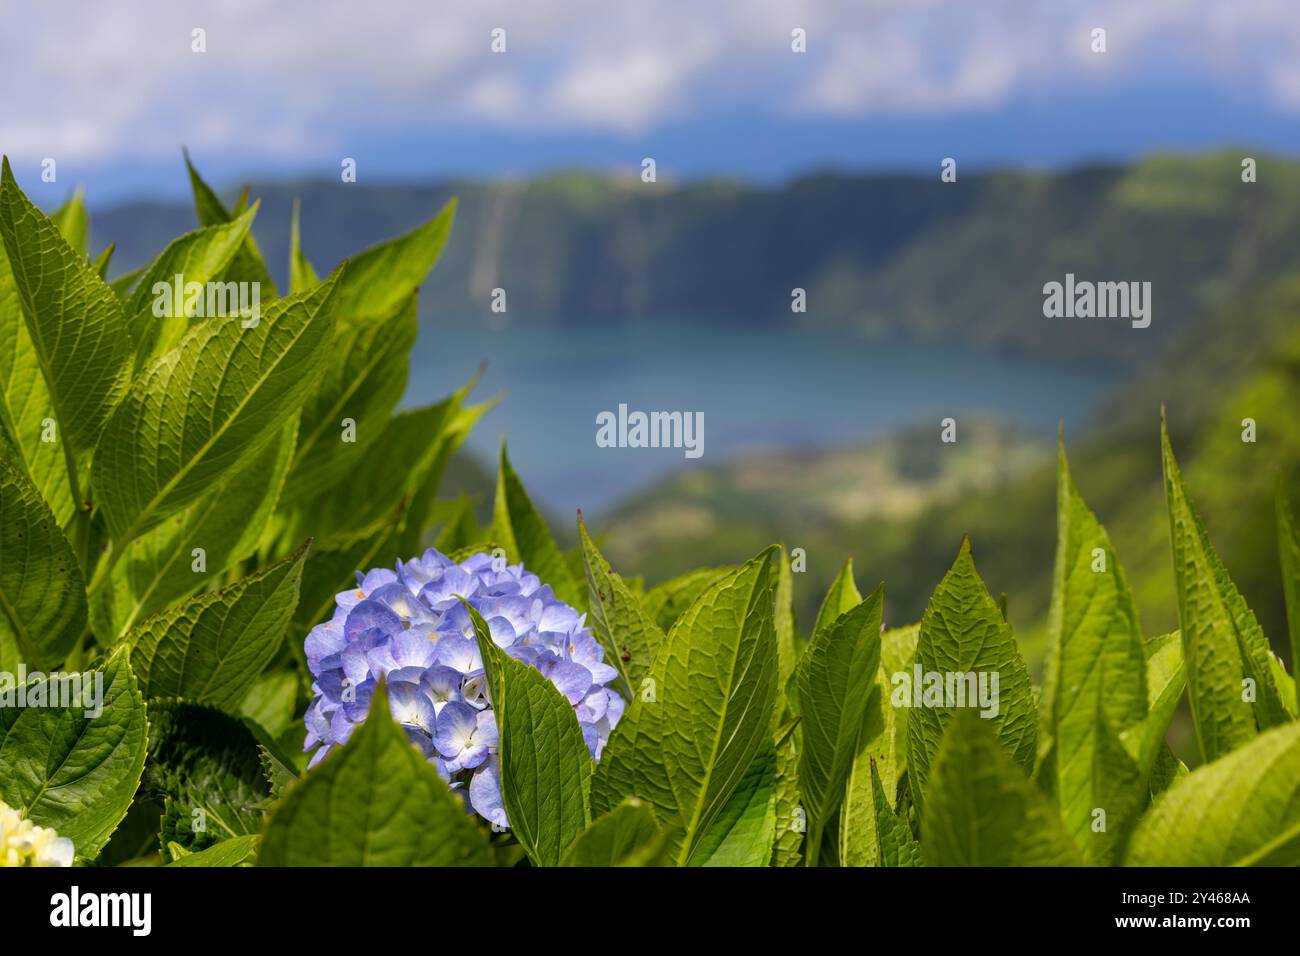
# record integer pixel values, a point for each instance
(759, 387)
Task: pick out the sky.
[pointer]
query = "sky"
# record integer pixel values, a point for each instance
(412, 89)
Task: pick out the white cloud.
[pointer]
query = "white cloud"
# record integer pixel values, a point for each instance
(93, 80)
(625, 92)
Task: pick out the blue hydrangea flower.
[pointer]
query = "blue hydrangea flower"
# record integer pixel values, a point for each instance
(408, 627)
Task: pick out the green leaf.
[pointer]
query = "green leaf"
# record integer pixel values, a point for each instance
(882, 757)
(981, 809)
(42, 594)
(744, 834)
(202, 257)
(787, 636)
(301, 274)
(628, 634)
(363, 380)
(217, 398)
(1285, 684)
(161, 566)
(122, 285)
(375, 801)
(422, 497)
(272, 701)
(898, 648)
(895, 846)
(1241, 810)
(1165, 682)
(842, 597)
(279, 774)
(282, 759)
(383, 277)
(1120, 791)
(835, 678)
(1288, 545)
(1095, 679)
(65, 770)
(882, 752)
(686, 744)
(237, 851)
(26, 410)
(73, 319)
(628, 835)
(666, 602)
(135, 841)
(74, 223)
(1166, 770)
(877, 747)
(211, 648)
(424, 440)
(518, 528)
(1223, 645)
(545, 765)
(459, 529)
(248, 264)
(790, 816)
(897, 652)
(963, 637)
(205, 769)
(103, 260)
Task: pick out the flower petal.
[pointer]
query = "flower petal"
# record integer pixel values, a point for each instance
(485, 794)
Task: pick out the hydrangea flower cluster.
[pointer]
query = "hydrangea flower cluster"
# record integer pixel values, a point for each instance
(23, 843)
(408, 626)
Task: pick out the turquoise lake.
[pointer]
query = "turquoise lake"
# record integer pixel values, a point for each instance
(758, 387)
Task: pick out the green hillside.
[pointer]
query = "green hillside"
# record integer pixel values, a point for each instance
(797, 496)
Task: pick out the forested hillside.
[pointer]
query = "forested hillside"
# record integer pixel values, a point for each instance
(897, 255)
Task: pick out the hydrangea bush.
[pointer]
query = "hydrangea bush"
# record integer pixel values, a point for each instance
(205, 520)
(409, 627)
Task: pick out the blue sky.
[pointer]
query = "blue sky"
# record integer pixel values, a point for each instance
(412, 90)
